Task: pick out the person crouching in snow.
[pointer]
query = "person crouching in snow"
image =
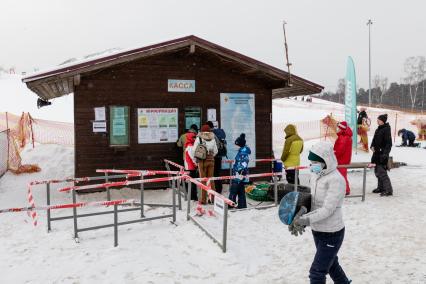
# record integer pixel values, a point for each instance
(240, 170)
(407, 136)
(325, 218)
(190, 162)
(343, 150)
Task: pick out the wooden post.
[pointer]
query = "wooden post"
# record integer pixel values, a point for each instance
(396, 121)
(8, 140)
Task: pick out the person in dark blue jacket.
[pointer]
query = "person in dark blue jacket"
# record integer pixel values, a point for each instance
(240, 170)
(407, 136)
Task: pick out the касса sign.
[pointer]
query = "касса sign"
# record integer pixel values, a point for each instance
(181, 86)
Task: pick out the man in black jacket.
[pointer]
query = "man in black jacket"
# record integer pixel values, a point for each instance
(381, 147)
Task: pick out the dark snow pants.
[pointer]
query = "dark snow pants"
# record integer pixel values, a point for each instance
(217, 168)
(290, 176)
(326, 260)
(194, 193)
(383, 181)
(237, 190)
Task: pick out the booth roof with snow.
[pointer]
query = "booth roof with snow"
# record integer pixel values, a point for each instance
(131, 106)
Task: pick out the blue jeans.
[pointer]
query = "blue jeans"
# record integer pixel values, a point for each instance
(326, 260)
(237, 190)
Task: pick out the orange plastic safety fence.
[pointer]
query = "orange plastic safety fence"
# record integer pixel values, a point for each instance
(3, 152)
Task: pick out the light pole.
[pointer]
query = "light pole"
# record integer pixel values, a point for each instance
(369, 23)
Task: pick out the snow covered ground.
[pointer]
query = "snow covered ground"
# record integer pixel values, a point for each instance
(385, 240)
(385, 237)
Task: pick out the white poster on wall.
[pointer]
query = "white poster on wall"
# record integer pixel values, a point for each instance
(100, 114)
(157, 125)
(237, 115)
(99, 126)
(211, 114)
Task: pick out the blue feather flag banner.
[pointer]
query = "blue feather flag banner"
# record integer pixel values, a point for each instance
(350, 100)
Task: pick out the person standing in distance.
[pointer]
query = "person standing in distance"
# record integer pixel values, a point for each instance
(293, 147)
(381, 147)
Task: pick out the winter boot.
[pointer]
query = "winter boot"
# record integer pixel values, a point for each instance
(377, 190)
(386, 194)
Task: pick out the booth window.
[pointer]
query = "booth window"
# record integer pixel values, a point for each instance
(119, 126)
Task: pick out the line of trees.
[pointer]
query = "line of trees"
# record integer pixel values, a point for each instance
(410, 93)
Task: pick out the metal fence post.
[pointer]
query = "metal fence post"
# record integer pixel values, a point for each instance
(142, 197)
(364, 183)
(49, 228)
(74, 215)
(179, 191)
(108, 192)
(185, 193)
(225, 227)
(174, 204)
(275, 190)
(296, 179)
(115, 225)
(188, 205)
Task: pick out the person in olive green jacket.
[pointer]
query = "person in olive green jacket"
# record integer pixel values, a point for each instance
(293, 146)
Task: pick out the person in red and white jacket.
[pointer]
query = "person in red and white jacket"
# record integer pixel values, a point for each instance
(343, 150)
(190, 162)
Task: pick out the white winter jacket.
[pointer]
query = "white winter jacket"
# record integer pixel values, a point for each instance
(328, 192)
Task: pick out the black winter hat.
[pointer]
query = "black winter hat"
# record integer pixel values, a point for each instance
(194, 127)
(241, 141)
(209, 123)
(383, 117)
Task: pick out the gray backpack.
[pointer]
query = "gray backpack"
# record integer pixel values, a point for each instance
(201, 151)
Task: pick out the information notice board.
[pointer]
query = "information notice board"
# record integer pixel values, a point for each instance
(119, 126)
(237, 115)
(157, 125)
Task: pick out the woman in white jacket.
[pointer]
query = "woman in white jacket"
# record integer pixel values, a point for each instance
(326, 220)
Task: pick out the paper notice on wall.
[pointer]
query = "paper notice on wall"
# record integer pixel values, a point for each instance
(100, 114)
(211, 114)
(99, 126)
(157, 125)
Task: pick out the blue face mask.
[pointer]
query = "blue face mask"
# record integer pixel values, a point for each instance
(316, 168)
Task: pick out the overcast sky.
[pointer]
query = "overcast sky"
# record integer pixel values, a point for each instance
(321, 34)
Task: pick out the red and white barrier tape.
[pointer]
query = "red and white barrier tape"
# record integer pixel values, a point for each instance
(174, 164)
(206, 179)
(33, 209)
(130, 172)
(33, 214)
(209, 190)
(118, 183)
(139, 172)
(60, 181)
(257, 160)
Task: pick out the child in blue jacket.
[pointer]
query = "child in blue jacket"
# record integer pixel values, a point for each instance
(240, 169)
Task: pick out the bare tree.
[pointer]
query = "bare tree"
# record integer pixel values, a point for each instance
(341, 85)
(384, 87)
(415, 69)
(376, 88)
